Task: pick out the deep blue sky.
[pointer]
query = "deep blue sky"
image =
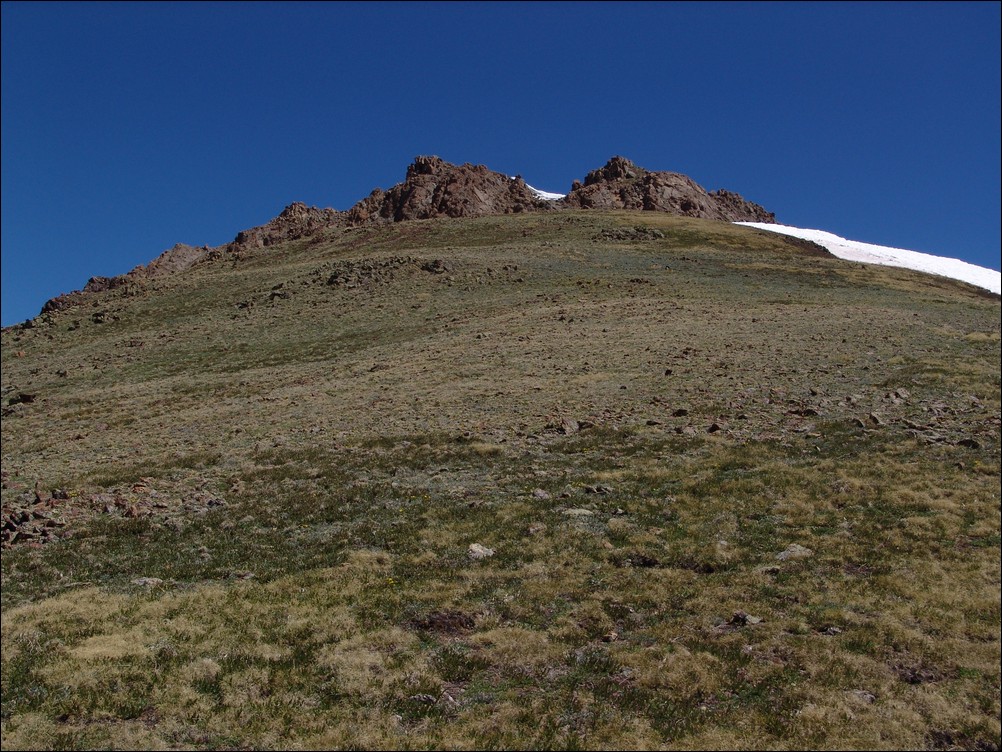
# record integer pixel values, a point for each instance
(130, 127)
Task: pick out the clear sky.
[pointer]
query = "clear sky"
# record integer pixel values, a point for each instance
(128, 127)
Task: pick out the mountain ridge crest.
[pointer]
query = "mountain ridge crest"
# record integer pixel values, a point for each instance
(434, 188)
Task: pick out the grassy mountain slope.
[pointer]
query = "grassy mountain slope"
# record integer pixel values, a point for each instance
(738, 494)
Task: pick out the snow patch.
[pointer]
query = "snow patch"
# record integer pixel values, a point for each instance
(546, 195)
(867, 253)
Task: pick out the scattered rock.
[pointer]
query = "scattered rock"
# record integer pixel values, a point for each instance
(861, 694)
(578, 512)
(803, 412)
(642, 560)
(478, 552)
(794, 551)
(539, 493)
(916, 674)
(436, 266)
(741, 619)
(633, 233)
(569, 426)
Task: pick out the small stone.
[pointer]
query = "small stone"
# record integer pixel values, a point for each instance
(147, 581)
(862, 694)
(569, 426)
(539, 493)
(875, 419)
(794, 551)
(578, 512)
(536, 528)
(478, 552)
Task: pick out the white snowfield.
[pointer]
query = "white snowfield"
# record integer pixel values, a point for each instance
(868, 253)
(545, 195)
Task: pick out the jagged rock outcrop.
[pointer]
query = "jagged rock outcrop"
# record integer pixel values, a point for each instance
(436, 188)
(433, 188)
(176, 259)
(296, 221)
(620, 184)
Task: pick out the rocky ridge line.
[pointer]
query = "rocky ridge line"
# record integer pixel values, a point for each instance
(435, 188)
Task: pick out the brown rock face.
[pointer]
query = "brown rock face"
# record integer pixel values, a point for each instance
(173, 260)
(436, 188)
(620, 184)
(296, 221)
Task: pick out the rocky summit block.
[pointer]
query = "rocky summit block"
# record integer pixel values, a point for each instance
(436, 188)
(620, 184)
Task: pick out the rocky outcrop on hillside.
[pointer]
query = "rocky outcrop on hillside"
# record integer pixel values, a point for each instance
(436, 188)
(620, 184)
(172, 261)
(176, 259)
(296, 221)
